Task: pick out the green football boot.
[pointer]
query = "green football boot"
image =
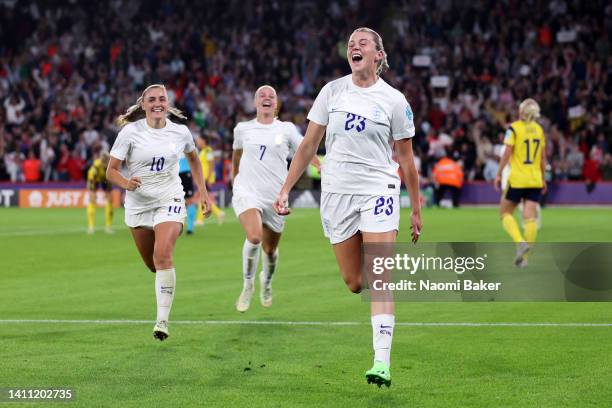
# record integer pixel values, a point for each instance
(379, 374)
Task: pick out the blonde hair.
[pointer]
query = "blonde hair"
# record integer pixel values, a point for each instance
(383, 64)
(273, 90)
(135, 112)
(262, 87)
(104, 158)
(529, 110)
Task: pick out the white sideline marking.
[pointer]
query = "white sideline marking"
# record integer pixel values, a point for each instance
(298, 323)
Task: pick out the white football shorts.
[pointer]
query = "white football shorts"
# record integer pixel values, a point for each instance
(269, 217)
(343, 215)
(173, 210)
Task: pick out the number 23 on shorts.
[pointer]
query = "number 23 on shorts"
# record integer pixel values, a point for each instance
(384, 204)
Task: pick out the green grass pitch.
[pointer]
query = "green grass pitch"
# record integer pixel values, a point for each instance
(52, 270)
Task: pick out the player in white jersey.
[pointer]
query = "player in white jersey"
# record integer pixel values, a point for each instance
(363, 119)
(259, 168)
(150, 146)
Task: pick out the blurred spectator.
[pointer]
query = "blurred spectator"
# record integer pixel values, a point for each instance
(31, 168)
(62, 166)
(447, 176)
(606, 167)
(592, 172)
(574, 163)
(75, 166)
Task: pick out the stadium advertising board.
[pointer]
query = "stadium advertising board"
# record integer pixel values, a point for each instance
(62, 198)
(8, 198)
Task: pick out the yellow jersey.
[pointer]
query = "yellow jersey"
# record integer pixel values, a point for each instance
(206, 156)
(528, 142)
(96, 175)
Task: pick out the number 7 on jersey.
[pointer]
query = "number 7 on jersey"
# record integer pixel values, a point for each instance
(262, 150)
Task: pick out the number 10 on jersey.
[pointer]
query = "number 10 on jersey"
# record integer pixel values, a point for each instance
(157, 164)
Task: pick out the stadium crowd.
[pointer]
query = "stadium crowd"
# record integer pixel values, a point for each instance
(69, 68)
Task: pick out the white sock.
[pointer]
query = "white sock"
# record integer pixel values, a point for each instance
(382, 333)
(165, 281)
(250, 260)
(269, 265)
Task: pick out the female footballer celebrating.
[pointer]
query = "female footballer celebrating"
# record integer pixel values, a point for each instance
(259, 168)
(363, 119)
(150, 145)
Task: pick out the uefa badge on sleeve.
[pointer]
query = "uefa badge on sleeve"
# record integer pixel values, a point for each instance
(409, 114)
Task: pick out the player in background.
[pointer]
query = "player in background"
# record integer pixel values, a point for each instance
(191, 194)
(525, 151)
(150, 145)
(505, 175)
(207, 159)
(96, 179)
(363, 119)
(259, 168)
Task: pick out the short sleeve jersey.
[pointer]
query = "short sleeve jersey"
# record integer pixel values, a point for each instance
(265, 149)
(153, 155)
(362, 125)
(528, 142)
(96, 174)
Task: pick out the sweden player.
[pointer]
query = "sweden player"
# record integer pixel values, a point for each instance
(505, 176)
(526, 153)
(259, 168)
(363, 119)
(150, 144)
(96, 179)
(208, 170)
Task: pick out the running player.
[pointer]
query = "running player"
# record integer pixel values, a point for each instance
(150, 145)
(259, 168)
(363, 119)
(505, 175)
(96, 179)
(526, 152)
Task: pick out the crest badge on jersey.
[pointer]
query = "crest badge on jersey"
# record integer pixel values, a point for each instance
(409, 114)
(278, 139)
(376, 114)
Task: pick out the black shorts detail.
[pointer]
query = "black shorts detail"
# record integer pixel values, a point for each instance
(517, 194)
(187, 181)
(105, 185)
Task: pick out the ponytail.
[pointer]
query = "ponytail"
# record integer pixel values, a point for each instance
(135, 112)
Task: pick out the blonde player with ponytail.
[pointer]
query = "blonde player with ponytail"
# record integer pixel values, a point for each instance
(526, 153)
(363, 119)
(150, 145)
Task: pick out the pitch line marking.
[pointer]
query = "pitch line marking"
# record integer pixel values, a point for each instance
(307, 323)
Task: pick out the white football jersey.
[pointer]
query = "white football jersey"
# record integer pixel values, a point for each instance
(265, 148)
(153, 155)
(362, 124)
